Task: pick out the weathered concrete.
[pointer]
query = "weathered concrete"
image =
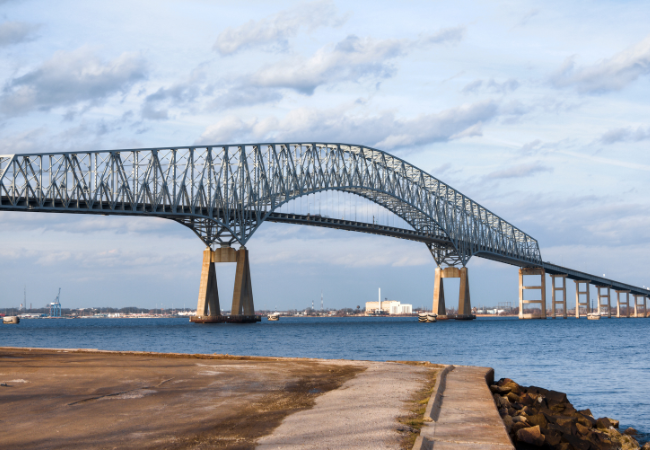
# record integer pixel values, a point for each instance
(527, 271)
(208, 307)
(619, 303)
(71, 399)
(208, 304)
(554, 297)
(362, 414)
(464, 302)
(585, 304)
(606, 295)
(465, 417)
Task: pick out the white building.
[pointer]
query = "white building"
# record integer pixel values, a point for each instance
(391, 307)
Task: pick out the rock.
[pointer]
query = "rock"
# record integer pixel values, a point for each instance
(556, 398)
(527, 400)
(576, 442)
(566, 423)
(587, 421)
(537, 419)
(603, 422)
(494, 389)
(552, 438)
(518, 426)
(513, 398)
(531, 435)
(519, 419)
(503, 412)
(583, 429)
(508, 422)
(614, 423)
(646, 446)
(586, 412)
(630, 431)
(511, 411)
(628, 443)
(507, 385)
(527, 410)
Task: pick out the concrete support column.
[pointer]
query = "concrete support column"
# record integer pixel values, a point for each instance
(637, 305)
(439, 295)
(464, 302)
(554, 299)
(242, 298)
(542, 288)
(606, 295)
(619, 302)
(579, 293)
(208, 304)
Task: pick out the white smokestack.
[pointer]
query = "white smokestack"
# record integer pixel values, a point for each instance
(380, 299)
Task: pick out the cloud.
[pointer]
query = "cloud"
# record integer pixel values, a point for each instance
(626, 134)
(504, 87)
(69, 78)
(611, 74)
(531, 147)
(352, 59)
(275, 32)
(382, 130)
(16, 32)
(519, 171)
(445, 36)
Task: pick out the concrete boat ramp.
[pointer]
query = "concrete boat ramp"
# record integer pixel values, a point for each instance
(81, 399)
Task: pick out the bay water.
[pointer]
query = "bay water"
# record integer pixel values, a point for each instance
(602, 365)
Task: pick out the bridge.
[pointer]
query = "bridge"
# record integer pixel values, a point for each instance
(223, 193)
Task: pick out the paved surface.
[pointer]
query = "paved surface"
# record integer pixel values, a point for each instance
(468, 418)
(58, 399)
(361, 414)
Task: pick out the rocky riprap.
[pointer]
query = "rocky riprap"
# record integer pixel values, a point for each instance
(539, 418)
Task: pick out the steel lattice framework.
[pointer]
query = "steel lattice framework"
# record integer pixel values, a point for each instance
(225, 192)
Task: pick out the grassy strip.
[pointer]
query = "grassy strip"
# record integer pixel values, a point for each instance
(411, 423)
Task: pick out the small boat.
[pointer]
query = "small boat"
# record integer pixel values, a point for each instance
(274, 317)
(10, 320)
(593, 316)
(425, 317)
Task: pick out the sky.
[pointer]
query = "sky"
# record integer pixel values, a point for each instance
(539, 111)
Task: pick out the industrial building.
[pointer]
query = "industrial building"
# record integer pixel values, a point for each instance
(388, 307)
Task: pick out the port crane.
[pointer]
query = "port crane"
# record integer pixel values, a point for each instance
(55, 306)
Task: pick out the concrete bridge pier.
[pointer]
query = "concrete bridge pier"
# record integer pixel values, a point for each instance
(208, 309)
(542, 288)
(637, 305)
(579, 293)
(606, 295)
(208, 304)
(464, 303)
(619, 303)
(554, 299)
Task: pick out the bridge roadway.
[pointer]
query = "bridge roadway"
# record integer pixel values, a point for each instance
(412, 235)
(339, 224)
(223, 193)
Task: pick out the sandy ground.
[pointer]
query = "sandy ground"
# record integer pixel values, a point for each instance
(361, 414)
(85, 400)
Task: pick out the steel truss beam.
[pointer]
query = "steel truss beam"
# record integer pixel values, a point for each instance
(225, 192)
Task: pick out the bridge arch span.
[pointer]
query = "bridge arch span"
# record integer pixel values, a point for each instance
(225, 192)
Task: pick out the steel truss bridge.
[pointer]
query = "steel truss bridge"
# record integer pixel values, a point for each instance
(225, 192)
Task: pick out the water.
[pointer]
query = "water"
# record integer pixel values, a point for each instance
(602, 365)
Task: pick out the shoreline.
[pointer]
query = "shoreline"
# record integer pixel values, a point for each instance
(136, 382)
